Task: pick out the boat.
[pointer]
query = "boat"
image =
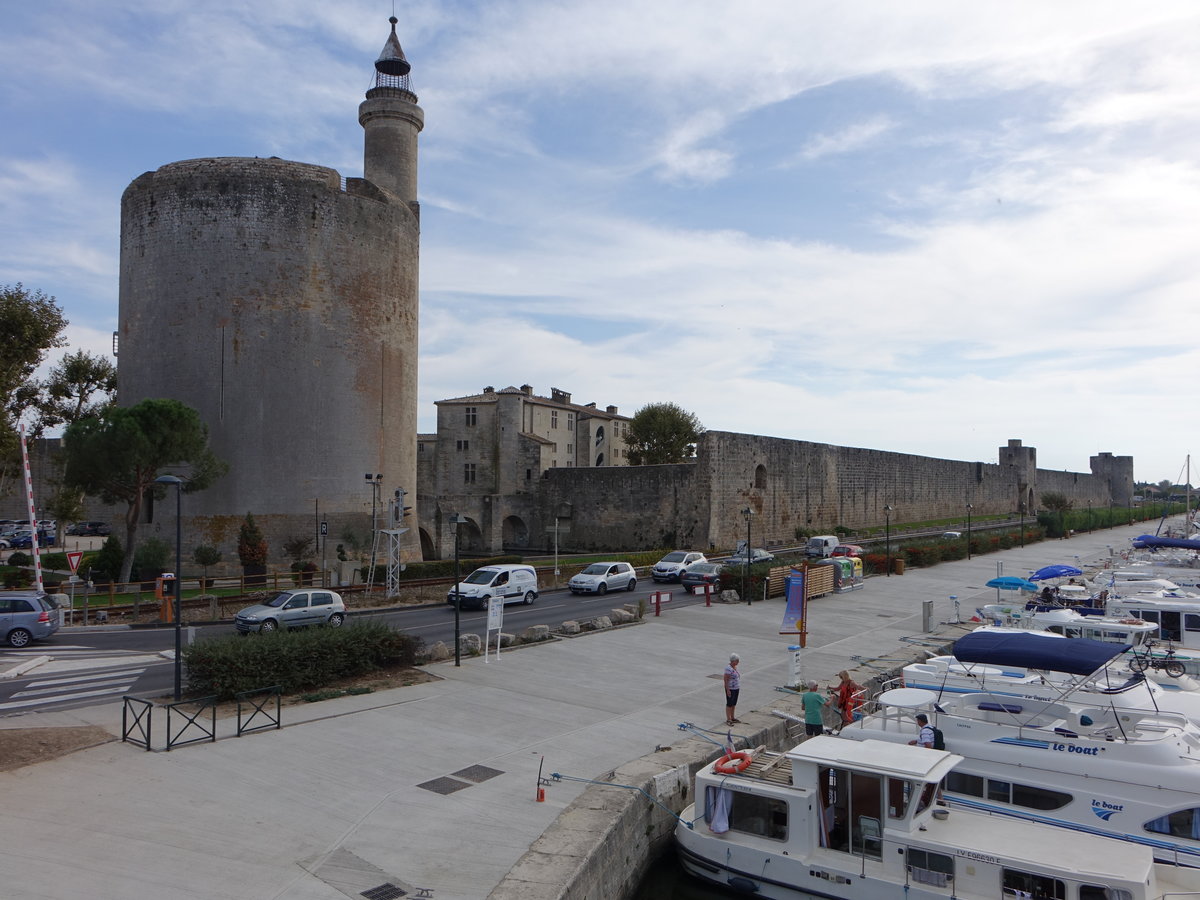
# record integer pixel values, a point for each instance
(1076, 762)
(1114, 682)
(1114, 629)
(1178, 621)
(861, 821)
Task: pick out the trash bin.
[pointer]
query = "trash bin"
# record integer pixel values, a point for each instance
(898, 566)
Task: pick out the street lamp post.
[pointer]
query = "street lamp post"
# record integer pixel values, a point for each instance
(456, 521)
(887, 536)
(1021, 510)
(969, 530)
(374, 481)
(1089, 517)
(747, 512)
(178, 482)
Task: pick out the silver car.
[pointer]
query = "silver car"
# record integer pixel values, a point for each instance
(293, 609)
(602, 577)
(26, 616)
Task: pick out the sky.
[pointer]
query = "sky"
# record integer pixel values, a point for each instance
(925, 227)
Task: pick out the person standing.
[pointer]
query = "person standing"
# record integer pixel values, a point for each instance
(847, 697)
(813, 704)
(733, 686)
(925, 735)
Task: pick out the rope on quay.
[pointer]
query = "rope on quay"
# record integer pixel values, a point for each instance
(558, 776)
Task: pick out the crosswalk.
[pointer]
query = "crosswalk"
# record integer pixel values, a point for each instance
(74, 675)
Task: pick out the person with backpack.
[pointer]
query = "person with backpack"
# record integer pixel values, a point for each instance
(928, 736)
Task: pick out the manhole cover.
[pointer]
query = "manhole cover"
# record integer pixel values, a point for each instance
(477, 773)
(384, 892)
(444, 785)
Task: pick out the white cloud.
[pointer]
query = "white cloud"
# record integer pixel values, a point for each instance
(847, 140)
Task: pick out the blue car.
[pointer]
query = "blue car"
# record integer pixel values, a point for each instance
(23, 540)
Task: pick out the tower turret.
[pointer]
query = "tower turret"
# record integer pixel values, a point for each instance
(391, 121)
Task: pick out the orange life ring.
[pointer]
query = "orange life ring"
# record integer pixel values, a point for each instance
(732, 763)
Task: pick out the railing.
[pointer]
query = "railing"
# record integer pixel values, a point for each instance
(136, 720)
(192, 721)
(260, 709)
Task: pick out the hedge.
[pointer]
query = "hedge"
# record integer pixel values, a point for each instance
(295, 660)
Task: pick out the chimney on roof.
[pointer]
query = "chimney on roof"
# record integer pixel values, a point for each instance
(527, 390)
(559, 396)
(611, 410)
(591, 405)
(489, 390)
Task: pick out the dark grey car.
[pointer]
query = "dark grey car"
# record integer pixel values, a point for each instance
(293, 609)
(26, 616)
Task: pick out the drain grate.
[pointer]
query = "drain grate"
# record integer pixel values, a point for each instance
(444, 785)
(384, 892)
(477, 773)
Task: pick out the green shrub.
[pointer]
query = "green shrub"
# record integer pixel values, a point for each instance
(20, 558)
(151, 558)
(15, 578)
(297, 661)
(106, 564)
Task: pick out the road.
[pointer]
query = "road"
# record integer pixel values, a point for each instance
(97, 665)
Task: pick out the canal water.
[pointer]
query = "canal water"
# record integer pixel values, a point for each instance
(667, 881)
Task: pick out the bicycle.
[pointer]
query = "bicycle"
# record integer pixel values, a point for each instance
(1140, 662)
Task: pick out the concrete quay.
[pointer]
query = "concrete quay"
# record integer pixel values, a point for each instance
(433, 788)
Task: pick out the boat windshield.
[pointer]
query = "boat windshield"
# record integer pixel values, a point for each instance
(928, 792)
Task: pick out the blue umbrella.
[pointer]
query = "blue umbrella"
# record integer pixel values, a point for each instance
(1057, 571)
(1011, 583)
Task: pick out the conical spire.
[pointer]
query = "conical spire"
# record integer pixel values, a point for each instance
(391, 60)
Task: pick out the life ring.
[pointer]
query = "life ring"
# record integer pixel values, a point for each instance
(732, 763)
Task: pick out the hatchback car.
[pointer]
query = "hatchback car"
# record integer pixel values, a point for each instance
(602, 577)
(26, 616)
(671, 566)
(847, 550)
(293, 609)
(697, 576)
(758, 555)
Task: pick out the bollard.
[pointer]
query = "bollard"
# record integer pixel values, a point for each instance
(707, 594)
(927, 615)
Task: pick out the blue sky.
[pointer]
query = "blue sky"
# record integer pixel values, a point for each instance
(925, 227)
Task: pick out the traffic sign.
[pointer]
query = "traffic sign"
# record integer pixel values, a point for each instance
(73, 559)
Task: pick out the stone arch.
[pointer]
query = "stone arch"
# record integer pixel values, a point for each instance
(760, 476)
(426, 544)
(470, 538)
(516, 532)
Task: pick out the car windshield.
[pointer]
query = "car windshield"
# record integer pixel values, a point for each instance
(596, 569)
(279, 599)
(677, 556)
(481, 576)
(704, 569)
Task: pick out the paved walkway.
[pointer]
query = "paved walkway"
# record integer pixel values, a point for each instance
(340, 800)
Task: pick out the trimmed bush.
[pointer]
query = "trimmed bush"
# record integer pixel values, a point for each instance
(297, 661)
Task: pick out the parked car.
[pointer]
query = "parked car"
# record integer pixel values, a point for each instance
(847, 550)
(951, 535)
(602, 577)
(512, 583)
(671, 566)
(696, 576)
(293, 609)
(26, 616)
(757, 555)
(24, 539)
(87, 528)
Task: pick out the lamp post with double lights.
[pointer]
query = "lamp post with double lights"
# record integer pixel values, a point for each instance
(178, 482)
(456, 522)
(375, 481)
(747, 512)
(887, 536)
(969, 508)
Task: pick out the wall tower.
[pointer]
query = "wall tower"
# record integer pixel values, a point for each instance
(280, 301)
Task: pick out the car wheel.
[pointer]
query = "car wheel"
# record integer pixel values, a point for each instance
(19, 637)
(268, 626)
(632, 584)
(602, 589)
(529, 598)
(336, 620)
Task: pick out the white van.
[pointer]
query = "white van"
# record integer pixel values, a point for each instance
(821, 545)
(515, 584)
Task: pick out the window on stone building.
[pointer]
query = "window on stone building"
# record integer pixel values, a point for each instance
(600, 434)
(463, 445)
(472, 415)
(600, 460)
(571, 420)
(528, 474)
(554, 418)
(468, 473)
(616, 452)
(570, 448)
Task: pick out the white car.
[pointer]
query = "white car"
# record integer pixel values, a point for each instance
(602, 577)
(671, 566)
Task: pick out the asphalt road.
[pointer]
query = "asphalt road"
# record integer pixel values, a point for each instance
(97, 665)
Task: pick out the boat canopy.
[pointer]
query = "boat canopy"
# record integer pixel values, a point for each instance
(1077, 656)
(1151, 541)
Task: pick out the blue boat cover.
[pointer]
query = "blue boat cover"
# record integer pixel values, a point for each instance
(1075, 656)
(1150, 540)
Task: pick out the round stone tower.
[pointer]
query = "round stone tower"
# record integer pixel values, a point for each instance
(280, 301)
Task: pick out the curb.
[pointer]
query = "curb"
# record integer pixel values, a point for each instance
(28, 665)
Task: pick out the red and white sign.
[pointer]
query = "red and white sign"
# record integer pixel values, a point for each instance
(73, 558)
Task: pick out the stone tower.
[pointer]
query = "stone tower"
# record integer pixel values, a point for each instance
(280, 301)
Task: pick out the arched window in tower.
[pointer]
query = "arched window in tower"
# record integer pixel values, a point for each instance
(600, 460)
(760, 476)
(599, 435)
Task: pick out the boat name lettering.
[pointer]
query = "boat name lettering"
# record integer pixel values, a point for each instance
(1104, 804)
(1071, 748)
(978, 857)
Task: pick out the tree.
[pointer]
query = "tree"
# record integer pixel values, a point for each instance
(117, 456)
(1058, 503)
(662, 433)
(80, 385)
(251, 546)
